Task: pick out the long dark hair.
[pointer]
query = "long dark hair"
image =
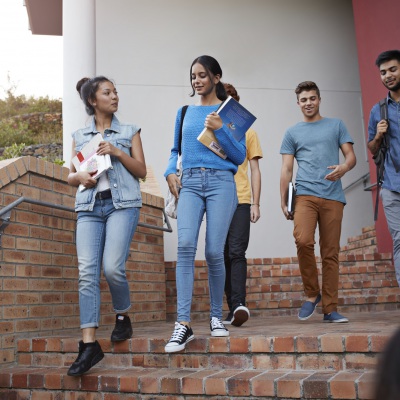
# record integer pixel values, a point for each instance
(87, 88)
(213, 68)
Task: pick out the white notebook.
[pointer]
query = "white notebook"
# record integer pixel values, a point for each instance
(291, 197)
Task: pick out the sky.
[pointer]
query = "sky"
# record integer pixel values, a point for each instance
(34, 62)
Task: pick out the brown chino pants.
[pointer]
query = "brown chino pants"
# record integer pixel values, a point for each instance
(309, 211)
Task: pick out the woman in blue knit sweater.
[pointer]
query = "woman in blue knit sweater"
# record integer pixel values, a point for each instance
(207, 186)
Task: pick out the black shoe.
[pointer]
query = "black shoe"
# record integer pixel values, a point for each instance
(123, 328)
(228, 319)
(240, 315)
(180, 336)
(89, 355)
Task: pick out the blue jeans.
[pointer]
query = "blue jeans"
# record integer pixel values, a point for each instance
(391, 205)
(212, 192)
(103, 236)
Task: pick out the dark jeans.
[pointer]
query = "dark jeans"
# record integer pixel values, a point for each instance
(235, 257)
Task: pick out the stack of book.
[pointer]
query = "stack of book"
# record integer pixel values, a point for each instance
(235, 117)
(87, 159)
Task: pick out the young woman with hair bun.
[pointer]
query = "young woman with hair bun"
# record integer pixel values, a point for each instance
(108, 213)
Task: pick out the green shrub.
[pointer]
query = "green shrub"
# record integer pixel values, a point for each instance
(58, 161)
(17, 105)
(14, 129)
(18, 131)
(13, 151)
(14, 132)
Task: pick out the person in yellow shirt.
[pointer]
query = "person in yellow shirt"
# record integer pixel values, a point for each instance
(238, 237)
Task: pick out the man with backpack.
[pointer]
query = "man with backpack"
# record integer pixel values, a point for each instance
(384, 131)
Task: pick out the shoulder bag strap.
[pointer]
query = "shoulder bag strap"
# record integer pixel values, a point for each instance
(383, 107)
(184, 108)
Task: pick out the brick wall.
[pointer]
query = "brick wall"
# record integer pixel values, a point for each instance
(274, 286)
(38, 265)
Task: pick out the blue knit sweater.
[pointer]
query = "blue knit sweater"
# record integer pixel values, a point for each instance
(194, 153)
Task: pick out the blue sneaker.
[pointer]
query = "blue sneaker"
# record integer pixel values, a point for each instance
(308, 308)
(334, 316)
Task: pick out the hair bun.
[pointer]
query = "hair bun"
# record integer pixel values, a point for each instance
(80, 83)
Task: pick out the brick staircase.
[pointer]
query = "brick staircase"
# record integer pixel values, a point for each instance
(268, 359)
(273, 356)
(274, 286)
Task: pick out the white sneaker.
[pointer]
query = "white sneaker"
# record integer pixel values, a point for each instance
(218, 328)
(181, 335)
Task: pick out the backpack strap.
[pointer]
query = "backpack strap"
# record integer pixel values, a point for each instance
(184, 108)
(380, 169)
(378, 188)
(383, 109)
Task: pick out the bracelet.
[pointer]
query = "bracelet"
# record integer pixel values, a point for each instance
(255, 204)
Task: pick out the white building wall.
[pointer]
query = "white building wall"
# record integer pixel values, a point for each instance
(265, 48)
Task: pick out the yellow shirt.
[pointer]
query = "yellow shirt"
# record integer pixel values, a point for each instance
(243, 185)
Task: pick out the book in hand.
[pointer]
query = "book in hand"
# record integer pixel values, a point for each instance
(235, 117)
(291, 198)
(88, 160)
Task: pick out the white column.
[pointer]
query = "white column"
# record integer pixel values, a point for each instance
(79, 37)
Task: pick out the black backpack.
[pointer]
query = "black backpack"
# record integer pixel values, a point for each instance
(380, 156)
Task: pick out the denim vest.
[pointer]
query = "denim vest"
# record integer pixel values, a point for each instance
(125, 187)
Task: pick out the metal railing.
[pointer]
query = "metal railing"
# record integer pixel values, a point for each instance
(370, 187)
(5, 214)
(362, 179)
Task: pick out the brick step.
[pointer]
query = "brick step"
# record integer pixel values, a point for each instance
(365, 243)
(367, 237)
(266, 358)
(366, 233)
(281, 292)
(180, 383)
(319, 351)
(289, 304)
(279, 311)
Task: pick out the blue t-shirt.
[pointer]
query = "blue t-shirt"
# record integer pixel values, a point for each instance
(391, 179)
(315, 146)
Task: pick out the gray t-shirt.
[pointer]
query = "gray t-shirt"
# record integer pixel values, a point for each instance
(315, 146)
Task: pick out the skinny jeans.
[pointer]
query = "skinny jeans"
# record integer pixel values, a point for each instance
(213, 193)
(328, 214)
(103, 237)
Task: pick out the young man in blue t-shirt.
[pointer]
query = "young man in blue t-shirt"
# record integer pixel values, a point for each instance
(315, 144)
